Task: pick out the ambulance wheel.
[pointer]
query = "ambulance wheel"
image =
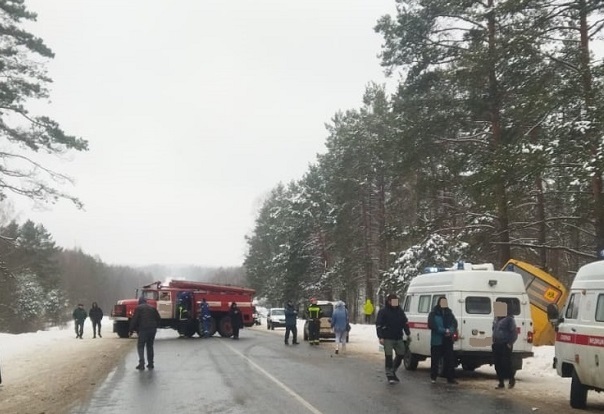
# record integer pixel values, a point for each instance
(578, 393)
(410, 361)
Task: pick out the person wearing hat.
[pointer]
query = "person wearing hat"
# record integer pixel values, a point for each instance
(291, 316)
(79, 316)
(390, 324)
(145, 322)
(443, 327)
(314, 322)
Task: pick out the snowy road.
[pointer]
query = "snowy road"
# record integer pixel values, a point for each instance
(258, 374)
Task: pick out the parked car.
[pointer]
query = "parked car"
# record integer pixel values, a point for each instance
(275, 318)
(325, 331)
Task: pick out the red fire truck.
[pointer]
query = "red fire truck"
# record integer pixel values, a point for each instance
(178, 304)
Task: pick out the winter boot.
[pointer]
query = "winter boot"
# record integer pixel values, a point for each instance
(141, 366)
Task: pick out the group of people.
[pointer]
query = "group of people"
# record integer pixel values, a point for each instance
(79, 316)
(339, 324)
(391, 323)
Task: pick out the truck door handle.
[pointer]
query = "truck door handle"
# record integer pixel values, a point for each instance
(481, 332)
(573, 329)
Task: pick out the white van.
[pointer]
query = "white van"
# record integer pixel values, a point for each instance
(580, 334)
(470, 291)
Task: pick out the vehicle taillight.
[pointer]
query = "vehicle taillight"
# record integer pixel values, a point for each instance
(529, 337)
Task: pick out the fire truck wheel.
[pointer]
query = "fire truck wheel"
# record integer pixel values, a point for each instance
(122, 329)
(224, 327)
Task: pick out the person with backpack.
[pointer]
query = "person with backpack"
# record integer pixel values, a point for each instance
(390, 324)
(443, 326)
(95, 314)
(504, 336)
(79, 316)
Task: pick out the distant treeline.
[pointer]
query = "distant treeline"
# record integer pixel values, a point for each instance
(41, 283)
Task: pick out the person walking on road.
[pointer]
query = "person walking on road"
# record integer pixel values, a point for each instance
(79, 316)
(96, 314)
(145, 322)
(339, 324)
(314, 322)
(390, 324)
(504, 336)
(291, 316)
(368, 311)
(236, 320)
(443, 326)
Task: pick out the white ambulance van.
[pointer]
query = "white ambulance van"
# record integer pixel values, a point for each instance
(470, 291)
(580, 334)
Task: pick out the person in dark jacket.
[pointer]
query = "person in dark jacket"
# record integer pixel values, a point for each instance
(96, 314)
(390, 324)
(314, 313)
(205, 317)
(236, 320)
(145, 322)
(79, 316)
(443, 325)
(291, 316)
(504, 336)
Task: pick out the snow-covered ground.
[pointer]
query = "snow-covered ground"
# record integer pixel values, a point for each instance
(537, 379)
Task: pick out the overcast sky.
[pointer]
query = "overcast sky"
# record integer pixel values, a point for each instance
(194, 110)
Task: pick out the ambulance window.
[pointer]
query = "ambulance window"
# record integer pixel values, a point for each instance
(600, 309)
(424, 304)
(572, 311)
(513, 304)
(478, 305)
(407, 304)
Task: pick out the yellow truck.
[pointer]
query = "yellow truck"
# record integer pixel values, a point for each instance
(543, 290)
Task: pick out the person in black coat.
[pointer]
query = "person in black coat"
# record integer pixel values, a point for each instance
(390, 324)
(236, 320)
(145, 321)
(96, 314)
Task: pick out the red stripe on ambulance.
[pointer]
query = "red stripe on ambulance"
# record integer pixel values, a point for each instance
(418, 325)
(579, 339)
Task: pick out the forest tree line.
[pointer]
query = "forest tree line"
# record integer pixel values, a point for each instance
(42, 283)
(490, 148)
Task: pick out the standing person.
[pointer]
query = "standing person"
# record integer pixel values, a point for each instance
(368, 310)
(443, 325)
(96, 314)
(314, 322)
(236, 320)
(205, 318)
(504, 336)
(145, 322)
(79, 316)
(339, 324)
(291, 316)
(390, 324)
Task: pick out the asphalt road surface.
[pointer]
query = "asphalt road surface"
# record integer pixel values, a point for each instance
(259, 374)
